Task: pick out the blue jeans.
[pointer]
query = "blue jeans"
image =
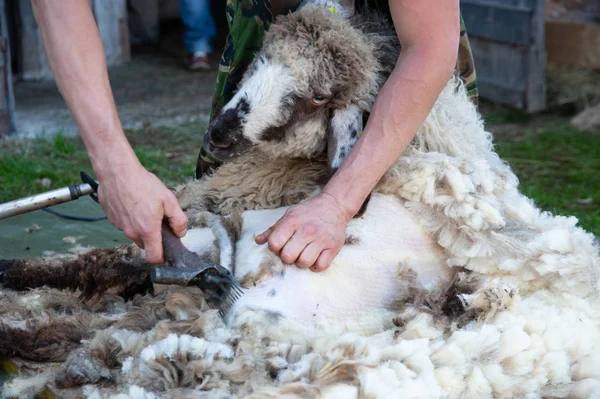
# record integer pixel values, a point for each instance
(199, 25)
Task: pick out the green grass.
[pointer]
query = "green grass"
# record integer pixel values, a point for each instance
(170, 153)
(507, 115)
(558, 166)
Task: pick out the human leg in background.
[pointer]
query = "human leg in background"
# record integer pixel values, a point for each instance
(199, 31)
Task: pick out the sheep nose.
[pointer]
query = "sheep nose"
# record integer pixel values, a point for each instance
(217, 136)
(221, 143)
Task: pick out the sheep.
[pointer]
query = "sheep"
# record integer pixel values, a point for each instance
(490, 296)
(462, 193)
(274, 133)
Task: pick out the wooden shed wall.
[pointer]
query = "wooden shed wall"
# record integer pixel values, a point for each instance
(507, 38)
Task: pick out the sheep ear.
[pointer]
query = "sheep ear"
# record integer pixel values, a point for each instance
(343, 130)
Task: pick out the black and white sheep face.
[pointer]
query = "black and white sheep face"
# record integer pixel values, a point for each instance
(305, 92)
(272, 109)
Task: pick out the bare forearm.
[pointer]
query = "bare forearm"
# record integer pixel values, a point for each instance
(424, 67)
(401, 107)
(134, 200)
(76, 56)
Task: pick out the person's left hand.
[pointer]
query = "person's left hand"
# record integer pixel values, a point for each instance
(310, 234)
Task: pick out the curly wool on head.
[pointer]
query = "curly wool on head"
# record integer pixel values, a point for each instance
(347, 60)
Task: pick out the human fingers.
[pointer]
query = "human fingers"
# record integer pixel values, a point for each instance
(177, 219)
(293, 248)
(263, 237)
(309, 255)
(138, 241)
(283, 230)
(324, 260)
(152, 235)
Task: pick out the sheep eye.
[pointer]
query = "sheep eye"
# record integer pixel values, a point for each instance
(319, 100)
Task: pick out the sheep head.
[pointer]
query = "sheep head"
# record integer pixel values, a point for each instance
(305, 91)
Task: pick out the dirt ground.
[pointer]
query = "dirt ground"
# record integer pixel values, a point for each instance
(40, 233)
(153, 89)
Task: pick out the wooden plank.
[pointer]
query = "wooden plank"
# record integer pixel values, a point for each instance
(499, 63)
(502, 94)
(7, 98)
(111, 17)
(573, 43)
(507, 24)
(535, 95)
(501, 72)
(33, 55)
(507, 39)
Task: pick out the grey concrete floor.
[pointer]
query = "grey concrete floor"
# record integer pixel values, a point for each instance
(36, 233)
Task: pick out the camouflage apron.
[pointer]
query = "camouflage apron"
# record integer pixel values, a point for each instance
(249, 19)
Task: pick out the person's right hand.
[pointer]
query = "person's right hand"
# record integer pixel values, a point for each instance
(136, 201)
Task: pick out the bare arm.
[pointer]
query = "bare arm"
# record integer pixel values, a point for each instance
(134, 199)
(429, 34)
(312, 233)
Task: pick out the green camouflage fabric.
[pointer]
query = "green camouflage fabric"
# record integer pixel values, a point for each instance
(248, 20)
(465, 66)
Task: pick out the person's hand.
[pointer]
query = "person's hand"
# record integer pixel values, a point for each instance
(136, 201)
(310, 234)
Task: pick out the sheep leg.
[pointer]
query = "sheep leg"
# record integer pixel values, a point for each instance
(226, 231)
(93, 273)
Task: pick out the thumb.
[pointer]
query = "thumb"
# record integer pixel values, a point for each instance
(263, 237)
(177, 219)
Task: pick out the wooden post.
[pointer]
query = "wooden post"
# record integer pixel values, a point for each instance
(7, 99)
(508, 44)
(33, 55)
(111, 17)
(536, 79)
